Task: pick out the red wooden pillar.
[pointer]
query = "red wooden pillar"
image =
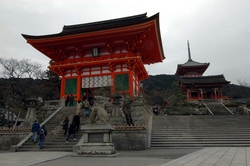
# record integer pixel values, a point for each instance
(62, 86)
(131, 82)
(112, 81)
(79, 87)
(201, 94)
(188, 94)
(221, 93)
(212, 94)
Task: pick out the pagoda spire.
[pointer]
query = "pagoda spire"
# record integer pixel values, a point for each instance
(189, 54)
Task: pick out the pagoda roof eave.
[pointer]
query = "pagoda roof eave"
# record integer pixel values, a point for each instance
(193, 63)
(196, 65)
(203, 80)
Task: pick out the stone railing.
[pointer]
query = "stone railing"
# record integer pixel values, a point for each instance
(16, 130)
(54, 103)
(126, 127)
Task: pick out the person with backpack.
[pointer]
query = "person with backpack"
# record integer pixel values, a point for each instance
(86, 107)
(34, 130)
(42, 134)
(71, 131)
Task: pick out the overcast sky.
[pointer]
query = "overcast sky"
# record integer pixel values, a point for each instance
(218, 30)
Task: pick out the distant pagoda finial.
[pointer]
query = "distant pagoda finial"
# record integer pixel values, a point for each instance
(189, 54)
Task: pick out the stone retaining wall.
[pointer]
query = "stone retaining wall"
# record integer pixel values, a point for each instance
(8, 139)
(130, 139)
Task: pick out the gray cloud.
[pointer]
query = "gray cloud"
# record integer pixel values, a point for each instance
(218, 30)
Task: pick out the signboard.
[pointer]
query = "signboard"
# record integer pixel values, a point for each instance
(96, 81)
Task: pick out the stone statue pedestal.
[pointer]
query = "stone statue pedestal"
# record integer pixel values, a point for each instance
(96, 140)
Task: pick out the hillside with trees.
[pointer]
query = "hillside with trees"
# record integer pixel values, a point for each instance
(157, 89)
(24, 79)
(163, 87)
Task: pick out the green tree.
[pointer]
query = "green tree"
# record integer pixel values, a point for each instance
(177, 98)
(52, 85)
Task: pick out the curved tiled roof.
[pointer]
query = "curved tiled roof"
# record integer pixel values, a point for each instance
(139, 30)
(193, 63)
(201, 80)
(95, 26)
(190, 64)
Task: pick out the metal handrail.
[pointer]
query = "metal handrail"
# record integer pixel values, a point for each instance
(14, 148)
(247, 109)
(208, 108)
(227, 108)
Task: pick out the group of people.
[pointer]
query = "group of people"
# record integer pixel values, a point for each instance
(157, 110)
(39, 131)
(73, 128)
(69, 99)
(85, 105)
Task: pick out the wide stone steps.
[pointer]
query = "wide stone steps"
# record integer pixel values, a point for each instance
(199, 145)
(217, 108)
(56, 140)
(200, 131)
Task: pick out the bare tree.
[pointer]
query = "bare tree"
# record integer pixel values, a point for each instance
(14, 68)
(243, 83)
(20, 75)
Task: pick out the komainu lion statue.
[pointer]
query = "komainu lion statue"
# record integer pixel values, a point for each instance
(98, 113)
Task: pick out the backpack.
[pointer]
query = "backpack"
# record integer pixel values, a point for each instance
(41, 133)
(85, 104)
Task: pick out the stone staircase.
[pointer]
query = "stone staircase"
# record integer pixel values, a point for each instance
(217, 108)
(56, 140)
(200, 131)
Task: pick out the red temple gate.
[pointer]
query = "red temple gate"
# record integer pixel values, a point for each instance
(108, 53)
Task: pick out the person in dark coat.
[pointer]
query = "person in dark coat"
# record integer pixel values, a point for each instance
(66, 101)
(71, 100)
(34, 130)
(76, 119)
(65, 125)
(71, 131)
(42, 134)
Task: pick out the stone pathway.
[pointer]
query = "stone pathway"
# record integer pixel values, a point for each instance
(214, 156)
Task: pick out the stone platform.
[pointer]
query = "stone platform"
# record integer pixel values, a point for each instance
(96, 140)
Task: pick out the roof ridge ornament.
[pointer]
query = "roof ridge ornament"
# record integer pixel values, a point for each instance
(189, 53)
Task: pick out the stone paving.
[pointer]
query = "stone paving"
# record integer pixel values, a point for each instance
(214, 156)
(29, 158)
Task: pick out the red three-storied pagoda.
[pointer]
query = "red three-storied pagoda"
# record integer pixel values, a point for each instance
(195, 85)
(106, 53)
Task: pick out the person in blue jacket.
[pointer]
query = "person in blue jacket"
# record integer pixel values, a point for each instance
(42, 134)
(34, 130)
